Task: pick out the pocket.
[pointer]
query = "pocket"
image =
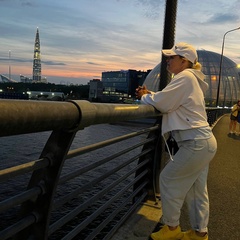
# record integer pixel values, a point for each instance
(171, 146)
(212, 144)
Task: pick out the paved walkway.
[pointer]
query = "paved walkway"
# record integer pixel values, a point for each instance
(224, 186)
(224, 194)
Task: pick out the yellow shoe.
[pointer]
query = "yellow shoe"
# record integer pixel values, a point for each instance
(191, 235)
(166, 234)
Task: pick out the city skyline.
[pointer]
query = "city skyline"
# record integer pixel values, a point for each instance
(79, 41)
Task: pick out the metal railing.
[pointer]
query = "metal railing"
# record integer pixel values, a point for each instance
(93, 199)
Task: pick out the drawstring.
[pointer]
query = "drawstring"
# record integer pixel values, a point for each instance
(171, 155)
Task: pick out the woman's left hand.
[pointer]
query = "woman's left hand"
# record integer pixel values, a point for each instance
(141, 90)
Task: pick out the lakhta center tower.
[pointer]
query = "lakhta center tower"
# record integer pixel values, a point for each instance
(37, 59)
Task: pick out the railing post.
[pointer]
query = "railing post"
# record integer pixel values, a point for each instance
(153, 164)
(55, 151)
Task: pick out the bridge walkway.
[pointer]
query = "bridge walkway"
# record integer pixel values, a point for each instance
(224, 194)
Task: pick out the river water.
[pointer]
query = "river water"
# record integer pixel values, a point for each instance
(21, 149)
(24, 148)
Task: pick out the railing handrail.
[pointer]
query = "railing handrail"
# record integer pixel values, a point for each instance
(28, 116)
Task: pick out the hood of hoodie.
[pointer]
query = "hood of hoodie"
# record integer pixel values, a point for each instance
(200, 77)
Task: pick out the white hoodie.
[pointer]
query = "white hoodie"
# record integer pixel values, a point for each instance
(181, 101)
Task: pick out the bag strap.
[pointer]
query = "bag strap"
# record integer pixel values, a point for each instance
(169, 152)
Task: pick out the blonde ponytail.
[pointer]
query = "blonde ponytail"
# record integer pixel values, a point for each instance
(197, 66)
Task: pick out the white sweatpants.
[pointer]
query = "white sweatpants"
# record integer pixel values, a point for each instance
(185, 179)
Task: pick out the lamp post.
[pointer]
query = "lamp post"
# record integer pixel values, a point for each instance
(9, 67)
(221, 60)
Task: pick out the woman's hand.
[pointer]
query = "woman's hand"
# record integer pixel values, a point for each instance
(141, 90)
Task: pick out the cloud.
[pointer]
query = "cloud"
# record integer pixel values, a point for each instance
(16, 60)
(51, 63)
(92, 63)
(151, 8)
(27, 4)
(223, 18)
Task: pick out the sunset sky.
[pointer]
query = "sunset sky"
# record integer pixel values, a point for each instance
(82, 38)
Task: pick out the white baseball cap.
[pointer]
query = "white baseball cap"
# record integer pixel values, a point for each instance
(182, 49)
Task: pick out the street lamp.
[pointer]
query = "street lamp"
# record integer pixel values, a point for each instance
(221, 60)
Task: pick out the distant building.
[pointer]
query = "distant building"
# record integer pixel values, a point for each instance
(7, 79)
(37, 59)
(95, 90)
(25, 79)
(120, 85)
(44, 80)
(40, 95)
